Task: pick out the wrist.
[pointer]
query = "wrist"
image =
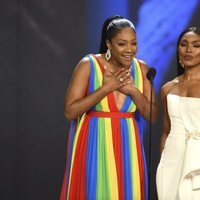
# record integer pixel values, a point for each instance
(134, 91)
(105, 89)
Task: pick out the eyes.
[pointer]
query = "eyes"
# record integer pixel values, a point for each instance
(123, 44)
(185, 44)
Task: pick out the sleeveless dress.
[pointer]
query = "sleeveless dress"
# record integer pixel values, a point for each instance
(178, 173)
(105, 156)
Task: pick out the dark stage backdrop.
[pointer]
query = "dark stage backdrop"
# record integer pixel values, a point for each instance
(41, 41)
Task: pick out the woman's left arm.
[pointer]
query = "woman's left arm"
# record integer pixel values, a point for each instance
(142, 100)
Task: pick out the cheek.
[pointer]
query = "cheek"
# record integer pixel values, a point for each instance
(181, 52)
(198, 58)
(118, 49)
(136, 48)
(197, 53)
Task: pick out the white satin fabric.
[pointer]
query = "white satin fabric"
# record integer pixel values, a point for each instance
(178, 173)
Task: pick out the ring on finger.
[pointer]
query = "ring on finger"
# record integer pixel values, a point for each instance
(121, 79)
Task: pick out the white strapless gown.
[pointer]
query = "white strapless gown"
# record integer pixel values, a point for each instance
(178, 173)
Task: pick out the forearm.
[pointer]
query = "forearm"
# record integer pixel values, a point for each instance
(143, 105)
(75, 109)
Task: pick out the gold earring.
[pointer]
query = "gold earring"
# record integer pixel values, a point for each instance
(108, 54)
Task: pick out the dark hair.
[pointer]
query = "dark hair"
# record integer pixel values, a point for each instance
(196, 30)
(111, 27)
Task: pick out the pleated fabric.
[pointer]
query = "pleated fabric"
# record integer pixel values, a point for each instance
(105, 155)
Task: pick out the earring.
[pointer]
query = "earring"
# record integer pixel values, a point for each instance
(108, 54)
(182, 65)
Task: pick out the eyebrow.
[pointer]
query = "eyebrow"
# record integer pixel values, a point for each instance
(124, 40)
(194, 41)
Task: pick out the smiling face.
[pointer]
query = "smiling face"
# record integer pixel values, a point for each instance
(123, 47)
(189, 49)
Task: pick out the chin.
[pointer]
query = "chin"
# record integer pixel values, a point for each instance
(127, 63)
(189, 64)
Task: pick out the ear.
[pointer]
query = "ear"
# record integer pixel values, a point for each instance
(108, 43)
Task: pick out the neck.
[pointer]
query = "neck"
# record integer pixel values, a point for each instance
(192, 74)
(114, 65)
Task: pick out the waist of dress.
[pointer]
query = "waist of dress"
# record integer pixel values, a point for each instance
(192, 134)
(110, 114)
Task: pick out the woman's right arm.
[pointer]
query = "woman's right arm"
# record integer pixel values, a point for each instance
(76, 101)
(166, 120)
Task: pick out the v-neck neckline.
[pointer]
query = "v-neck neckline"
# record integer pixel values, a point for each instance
(111, 97)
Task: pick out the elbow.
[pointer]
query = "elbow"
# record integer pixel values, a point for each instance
(68, 116)
(70, 113)
(154, 116)
(154, 119)
(151, 115)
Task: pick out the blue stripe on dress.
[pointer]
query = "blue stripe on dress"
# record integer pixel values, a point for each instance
(70, 148)
(91, 159)
(92, 72)
(126, 104)
(128, 99)
(128, 193)
(139, 123)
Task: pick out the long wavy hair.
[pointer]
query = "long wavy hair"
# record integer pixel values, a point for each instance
(196, 30)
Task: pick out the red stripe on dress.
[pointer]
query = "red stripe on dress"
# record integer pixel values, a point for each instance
(140, 162)
(111, 102)
(63, 194)
(99, 63)
(116, 135)
(78, 179)
(110, 114)
(111, 99)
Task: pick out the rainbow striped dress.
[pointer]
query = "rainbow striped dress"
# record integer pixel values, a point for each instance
(105, 155)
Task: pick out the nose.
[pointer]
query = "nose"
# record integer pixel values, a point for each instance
(188, 48)
(129, 48)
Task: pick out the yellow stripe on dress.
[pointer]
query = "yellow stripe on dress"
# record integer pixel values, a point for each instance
(139, 73)
(134, 162)
(104, 101)
(138, 82)
(111, 161)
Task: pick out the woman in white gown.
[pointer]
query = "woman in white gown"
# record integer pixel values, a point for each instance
(178, 173)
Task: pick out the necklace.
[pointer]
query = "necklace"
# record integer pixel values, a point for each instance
(110, 67)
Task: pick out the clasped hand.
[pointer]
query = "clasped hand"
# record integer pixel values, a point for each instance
(119, 80)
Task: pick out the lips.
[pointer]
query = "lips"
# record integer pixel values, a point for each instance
(188, 57)
(128, 57)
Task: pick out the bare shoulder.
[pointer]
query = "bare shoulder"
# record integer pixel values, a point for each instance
(80, 76)
(84, 62)
(83, 67)
(166, 88)
(142, 63)
(143, 66)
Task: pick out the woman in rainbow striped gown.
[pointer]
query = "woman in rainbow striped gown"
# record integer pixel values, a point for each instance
(106, 95)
